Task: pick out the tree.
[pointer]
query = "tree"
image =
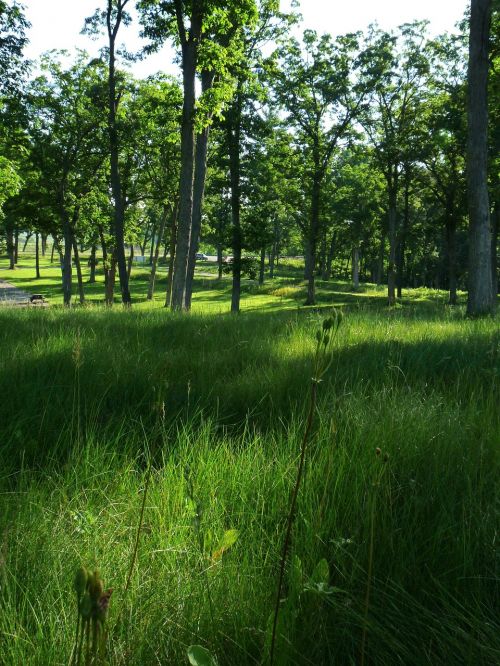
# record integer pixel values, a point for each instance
(13, 27)
(113, 17)
(322, 86)
(442, 139)
(480, 298)
(401, 66)
(66, 131)
(209, 37)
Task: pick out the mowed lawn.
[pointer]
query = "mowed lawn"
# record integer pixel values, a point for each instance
(211, 408)
(211, 295)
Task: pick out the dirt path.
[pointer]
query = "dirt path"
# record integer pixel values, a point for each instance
(11, 295)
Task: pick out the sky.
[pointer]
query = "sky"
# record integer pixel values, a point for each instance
(56, 24)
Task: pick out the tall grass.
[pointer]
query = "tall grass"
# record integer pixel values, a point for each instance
(156, 392)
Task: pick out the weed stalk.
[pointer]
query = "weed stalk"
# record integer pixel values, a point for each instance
(321, 363)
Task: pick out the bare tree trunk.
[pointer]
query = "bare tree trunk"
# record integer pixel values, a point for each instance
(313, 235)
(67, 265)
(26, 241)
(161, 232)
(104, 250)
(37, 255)
(329, 258)
(495, 223)
(189, 57)
(391, 273)
(234, 144)
(219, 261)
(143, 245)
(323, 255)
(200, 172)
(92, 263)
(110, 280)
(480, 301)
(171, 263)
(57, 244)
(401, 240)
(152, 243)
(262, 266)
(452, 257)
(81, 292)
(355, 267)
(10, 248)
(380, 262)
(130, 261)
(116, 182)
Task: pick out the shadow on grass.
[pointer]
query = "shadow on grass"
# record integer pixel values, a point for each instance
(251, 368)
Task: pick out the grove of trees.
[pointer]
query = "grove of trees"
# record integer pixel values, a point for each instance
(374, 154)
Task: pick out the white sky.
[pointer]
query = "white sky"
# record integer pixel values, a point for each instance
(56, 24)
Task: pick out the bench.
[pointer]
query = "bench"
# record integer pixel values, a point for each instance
(37, 298)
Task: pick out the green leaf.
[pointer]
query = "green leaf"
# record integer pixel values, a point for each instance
(200, 656)
(321, 573)
(229, 539)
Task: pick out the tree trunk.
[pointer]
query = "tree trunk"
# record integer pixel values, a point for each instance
(78, 266)
(189, 56)
(161, 232)
(271, 261)
(143, 245)
(401, 241)
(16, 246)
(323, 255)
(44, 244)
(380, 262)
(104, 250)
(130, 261)
(171, 263)
(308, 265)
(219, 261)
(67, 265)
(152, 245)
(57, 244)
(495, 224)
(355, 267)
(28, 236)
(52, 252)
(391, 274)
(10, 248)
(262, 266)
(200, 172)
(234, 145)
(114, 150)
(480, 301)
(110, 280)
(92, 263)
(313, 236)
(329, 258)
(451, 252)
(37, 255)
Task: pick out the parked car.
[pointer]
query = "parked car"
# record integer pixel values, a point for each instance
(201, 256)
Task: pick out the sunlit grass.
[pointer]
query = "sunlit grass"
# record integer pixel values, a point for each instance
(92, 397)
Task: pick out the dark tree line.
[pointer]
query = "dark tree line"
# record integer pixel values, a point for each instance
(371, 155)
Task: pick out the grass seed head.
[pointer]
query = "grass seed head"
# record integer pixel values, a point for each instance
(86, 606)
(80, 582)
(96, 587)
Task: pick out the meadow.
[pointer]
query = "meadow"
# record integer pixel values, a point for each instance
(206, 412)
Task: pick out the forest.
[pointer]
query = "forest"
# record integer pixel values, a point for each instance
(249, 340)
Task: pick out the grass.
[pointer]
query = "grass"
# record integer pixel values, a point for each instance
(93, 401)
(211, 295)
